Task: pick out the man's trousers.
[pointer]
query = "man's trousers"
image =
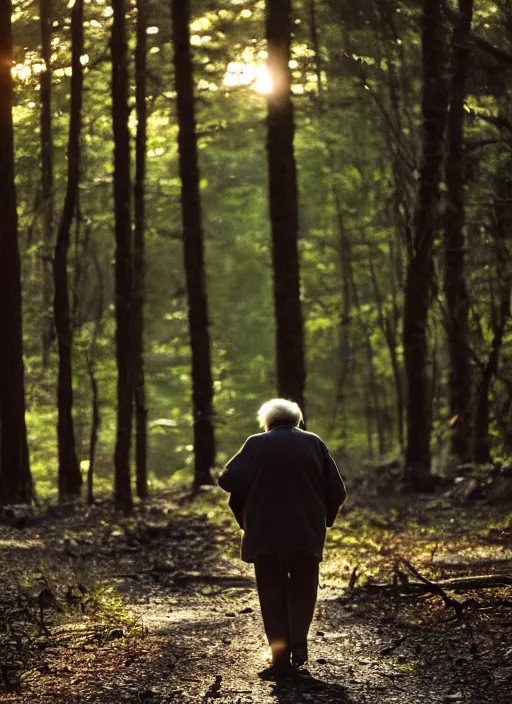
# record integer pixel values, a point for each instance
(287, 589)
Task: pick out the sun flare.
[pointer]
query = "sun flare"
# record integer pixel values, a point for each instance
(253, 74)
(263, 81)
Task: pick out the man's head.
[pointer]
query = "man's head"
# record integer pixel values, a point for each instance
(279, 411)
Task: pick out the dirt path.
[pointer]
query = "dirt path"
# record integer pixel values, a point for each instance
(177, 621)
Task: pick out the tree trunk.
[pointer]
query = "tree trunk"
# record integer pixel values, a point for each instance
(139, 254)
(15, 479)
(193, 248)
(95, 427)
(70, 479)
(481, 439)
(123, 257)
(388, 323)
(282, 179)
(344, 243)
(420, 265)
(457, 300)
(45, 12)
(91, 370)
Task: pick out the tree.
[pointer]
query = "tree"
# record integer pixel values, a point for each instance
(457, 298)
(70, 478)
(139, 253)
(123, 257)
(420, 266)
(15, 478)
(45, 12)
(501, 300)
(193, 247)
(283, 200)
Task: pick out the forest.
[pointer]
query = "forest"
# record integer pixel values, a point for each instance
(209, 203)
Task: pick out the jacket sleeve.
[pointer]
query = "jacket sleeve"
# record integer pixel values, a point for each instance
(237, 472)
(335, 491)
(235, 480)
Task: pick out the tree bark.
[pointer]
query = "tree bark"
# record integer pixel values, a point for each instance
(139, 254)
(70, 478)
(457, 299)
(388, 324)
(91, 370)
(344, 243)
(481, 439)
(420, 265)
(193, 247)
(15, 479)
(283, 200)
(95, 427)
(45, 12)
(123, 258)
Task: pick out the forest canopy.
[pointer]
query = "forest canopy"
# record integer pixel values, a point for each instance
(309, 198)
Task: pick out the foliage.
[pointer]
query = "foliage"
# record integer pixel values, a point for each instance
(357, 144)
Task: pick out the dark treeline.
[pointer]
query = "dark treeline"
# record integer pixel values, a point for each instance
(241, 199)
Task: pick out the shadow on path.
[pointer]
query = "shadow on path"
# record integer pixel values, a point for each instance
(319, 691)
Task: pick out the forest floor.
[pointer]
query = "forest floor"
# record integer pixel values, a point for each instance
(95, 609)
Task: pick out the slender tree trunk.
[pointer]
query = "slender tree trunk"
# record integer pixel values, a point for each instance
(347, 280)
(391, 324)
(481, 439)
(70, 479)
(388, 324)
(282, 178)
(15, 479)
(372, 403)
(369, 425)
(375, 403)
(95, 427)
(420, 266)
(139, 254)
(402, 159)
(123, 256)
(193, 247)
(91, 370)
(344, 243)
(457, 300)
(45, 12)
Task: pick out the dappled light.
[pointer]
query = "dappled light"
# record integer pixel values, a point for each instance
(156, 601)
(212, 207)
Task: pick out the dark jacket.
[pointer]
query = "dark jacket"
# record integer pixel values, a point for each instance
(285, 489)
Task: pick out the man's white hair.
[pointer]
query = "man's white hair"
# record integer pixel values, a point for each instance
(279, 410)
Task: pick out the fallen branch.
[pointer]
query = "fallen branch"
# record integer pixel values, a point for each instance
(434, 588)
(484, 581)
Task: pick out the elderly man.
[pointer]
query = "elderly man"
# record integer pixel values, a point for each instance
(285, 490)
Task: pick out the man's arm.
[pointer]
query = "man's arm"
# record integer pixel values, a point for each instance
(335, 491)
(235, 479)
(238, 470)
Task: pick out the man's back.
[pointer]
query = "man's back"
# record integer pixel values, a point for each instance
(284, 479)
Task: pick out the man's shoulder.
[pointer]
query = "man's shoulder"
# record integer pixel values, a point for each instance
(312, 438)
(253, 439)
(310, 435)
